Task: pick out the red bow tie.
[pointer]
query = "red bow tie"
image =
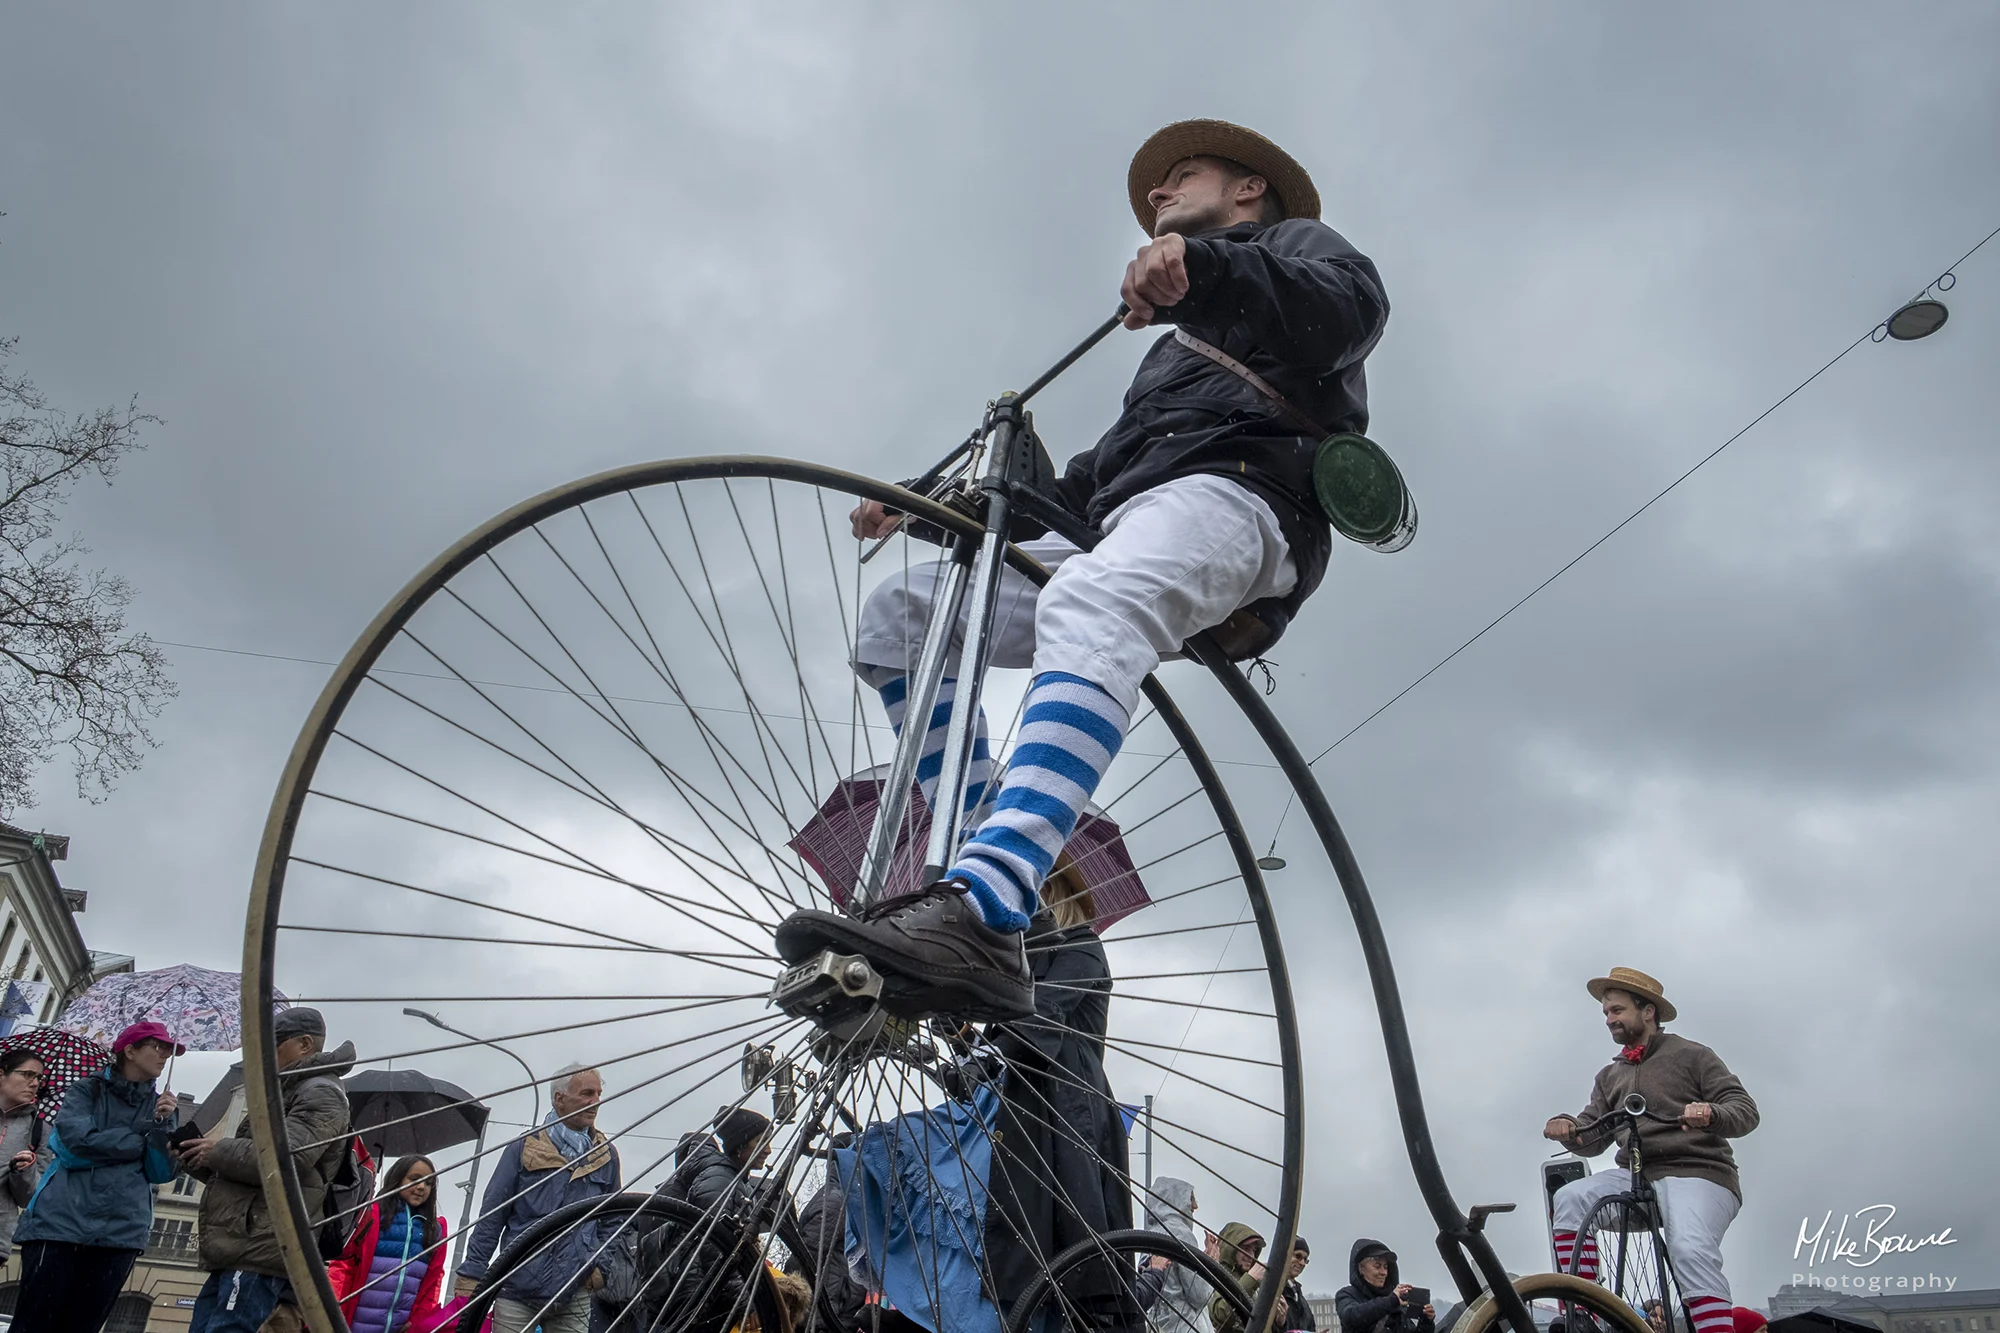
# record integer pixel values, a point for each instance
(1633, 1054)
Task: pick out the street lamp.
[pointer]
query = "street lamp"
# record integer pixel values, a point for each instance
(1921, 315)
(478, 1149)
(534, 1084)
(1918, 319)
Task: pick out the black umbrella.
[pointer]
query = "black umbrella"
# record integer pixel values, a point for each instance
(399, 1111)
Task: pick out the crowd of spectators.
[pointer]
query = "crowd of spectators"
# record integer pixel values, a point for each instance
(77, 1203)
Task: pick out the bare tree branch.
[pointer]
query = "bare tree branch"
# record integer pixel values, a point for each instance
(70, 675)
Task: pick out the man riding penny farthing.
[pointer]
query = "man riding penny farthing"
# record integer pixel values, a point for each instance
(1203, 490)
(750, 817)
(1689, 1106)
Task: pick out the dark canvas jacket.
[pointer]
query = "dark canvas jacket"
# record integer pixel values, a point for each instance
(1297, 304)
(235, 1222)
(1674, 1072)
(823, 1232)
(1059, 1157)
(1298, 1310)
(707, 1179)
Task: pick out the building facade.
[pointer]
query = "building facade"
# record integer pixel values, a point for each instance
(1930, 1311)
(43, 962)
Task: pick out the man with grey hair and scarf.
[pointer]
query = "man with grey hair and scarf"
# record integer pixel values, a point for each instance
(565, 1161)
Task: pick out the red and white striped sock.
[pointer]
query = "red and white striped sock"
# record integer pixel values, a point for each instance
(1712, 1314)
(1566, 1247)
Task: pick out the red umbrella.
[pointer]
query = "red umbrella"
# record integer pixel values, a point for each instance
(67, 1058)
(835, 841)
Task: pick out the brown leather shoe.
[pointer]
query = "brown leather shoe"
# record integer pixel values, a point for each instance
(936, 954)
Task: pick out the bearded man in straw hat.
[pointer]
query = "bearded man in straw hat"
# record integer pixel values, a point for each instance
(1689, 1162)
(1203, 489)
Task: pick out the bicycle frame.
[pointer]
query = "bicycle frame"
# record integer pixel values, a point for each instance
(1642, 1196)
(1008, 439)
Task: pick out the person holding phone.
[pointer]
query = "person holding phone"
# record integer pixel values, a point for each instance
(1376, 1299)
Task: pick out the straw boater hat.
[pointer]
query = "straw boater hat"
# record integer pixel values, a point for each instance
(1218, 138)
(1641, 985)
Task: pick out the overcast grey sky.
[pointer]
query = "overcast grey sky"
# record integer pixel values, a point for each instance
(385, 271)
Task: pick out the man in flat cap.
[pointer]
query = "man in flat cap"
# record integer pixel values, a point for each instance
(1689, 1161)
(1203, 489)
(246, 1283)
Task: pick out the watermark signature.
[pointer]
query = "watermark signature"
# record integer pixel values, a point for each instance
(1862, 1239)
(1876, 1282)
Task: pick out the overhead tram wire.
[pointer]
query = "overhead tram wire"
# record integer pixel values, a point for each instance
(1794, 391)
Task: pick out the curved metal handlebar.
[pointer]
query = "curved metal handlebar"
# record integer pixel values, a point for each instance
(1632, 1108)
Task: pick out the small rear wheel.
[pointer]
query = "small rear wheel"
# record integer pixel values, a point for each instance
(1553, 1297)
(1093, 1285)
(1632, 1260)
(716, 1280)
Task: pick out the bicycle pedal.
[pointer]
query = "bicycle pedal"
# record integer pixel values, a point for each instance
(825, 983)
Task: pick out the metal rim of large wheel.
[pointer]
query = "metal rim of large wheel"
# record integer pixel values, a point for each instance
(1631, 1258)
(476, 796)
(1547, 1296)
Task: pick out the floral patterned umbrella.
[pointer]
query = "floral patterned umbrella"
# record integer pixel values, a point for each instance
(201, 1008)
(66, 1057)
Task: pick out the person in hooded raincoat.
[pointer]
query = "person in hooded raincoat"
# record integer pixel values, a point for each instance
(1375, 1297)
(1059, 1172)
(1241, 1248)
(1174, 1296)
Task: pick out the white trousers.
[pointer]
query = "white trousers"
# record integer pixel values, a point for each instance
(1694, 1214)
(1175, 560)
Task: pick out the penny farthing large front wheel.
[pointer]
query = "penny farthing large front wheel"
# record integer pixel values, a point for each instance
(549, 811)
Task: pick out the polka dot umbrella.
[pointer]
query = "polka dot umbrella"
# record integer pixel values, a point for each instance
(66, 1057)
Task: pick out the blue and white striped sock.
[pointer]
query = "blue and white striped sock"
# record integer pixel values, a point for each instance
(1070, 733)
(894, 688)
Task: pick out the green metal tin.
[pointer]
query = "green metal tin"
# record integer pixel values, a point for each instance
(1362, 493)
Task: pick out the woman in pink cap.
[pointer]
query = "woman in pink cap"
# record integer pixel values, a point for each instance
(90, 1216)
